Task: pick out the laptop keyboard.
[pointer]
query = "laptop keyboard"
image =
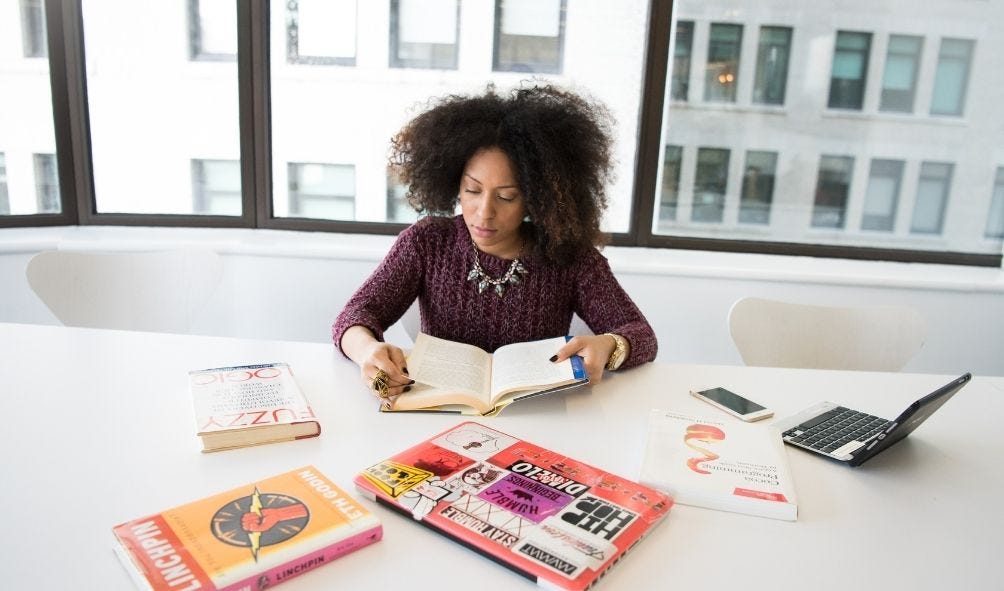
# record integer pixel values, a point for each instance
(834, 429)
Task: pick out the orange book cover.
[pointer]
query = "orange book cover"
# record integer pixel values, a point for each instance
(250, 537)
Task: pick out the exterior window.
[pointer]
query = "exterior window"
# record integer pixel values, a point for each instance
(952, 77)
(832, 189)
(882, 196)
(212, 30)
(681, 59)
(710, 181)
(995, 218)
(423, 33)
(46, 183)
(216, 187)
(850, 70)
(325, 191)
(772, 65)
(33, 39)
(899, 81)
(758, 187)
(4, 196)
(398, 209)
(529, 36)
(321, 32)
(722, 73)
(672, 162)
(932, 197)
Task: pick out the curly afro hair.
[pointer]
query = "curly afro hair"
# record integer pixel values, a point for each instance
(559, 142)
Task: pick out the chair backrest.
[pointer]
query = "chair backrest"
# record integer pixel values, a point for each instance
(781, 334)
(160, 291)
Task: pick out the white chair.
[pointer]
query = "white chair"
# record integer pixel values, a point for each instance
(161, 291)
(781, 334)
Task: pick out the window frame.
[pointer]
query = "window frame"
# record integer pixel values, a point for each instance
(67, 72)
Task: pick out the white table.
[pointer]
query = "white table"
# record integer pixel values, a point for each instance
(98, 429)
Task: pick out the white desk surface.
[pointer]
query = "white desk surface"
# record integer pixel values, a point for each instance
(98, 429)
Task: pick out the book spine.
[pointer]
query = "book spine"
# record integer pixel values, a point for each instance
(308, 562)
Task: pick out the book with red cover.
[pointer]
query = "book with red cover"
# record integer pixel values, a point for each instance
(250, 537)
(551, 518)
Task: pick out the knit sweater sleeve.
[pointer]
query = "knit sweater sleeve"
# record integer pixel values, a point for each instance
(605, 307)
(386, 295)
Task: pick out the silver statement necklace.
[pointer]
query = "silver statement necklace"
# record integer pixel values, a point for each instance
(482, 280)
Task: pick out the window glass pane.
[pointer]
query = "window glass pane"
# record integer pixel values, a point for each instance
(849, 70)
(844, 173)
(995, 219)
(153, 112)
(899, 81)
(347, 114)
(722, 73)
(882, 195)
(326, 191)
(320, 31)
(530, 36)
(932, 196)
(212, 30)
(424, 33)
(398, 209)
(952, 77)
(4, 198)
(772, 65)
(216, 187)
(33, 38)
(681, 59)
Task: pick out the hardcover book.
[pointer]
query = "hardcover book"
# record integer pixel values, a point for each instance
(553, 519)
(731, 466)
(249, 405)
(461, 378)
(250, 537)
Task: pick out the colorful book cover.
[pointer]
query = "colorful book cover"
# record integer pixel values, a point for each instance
(544, 515)
(251, 537)
(731, 466)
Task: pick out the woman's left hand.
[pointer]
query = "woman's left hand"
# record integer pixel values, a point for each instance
(594, 350)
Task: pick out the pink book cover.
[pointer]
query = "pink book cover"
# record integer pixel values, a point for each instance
(538, 512)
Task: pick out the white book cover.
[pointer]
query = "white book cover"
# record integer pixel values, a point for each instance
(731, 466)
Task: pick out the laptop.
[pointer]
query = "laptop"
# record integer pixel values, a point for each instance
(854, 437)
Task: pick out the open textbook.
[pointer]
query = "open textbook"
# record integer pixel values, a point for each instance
(455, 377)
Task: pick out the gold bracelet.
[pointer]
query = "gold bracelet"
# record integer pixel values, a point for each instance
(617, 355)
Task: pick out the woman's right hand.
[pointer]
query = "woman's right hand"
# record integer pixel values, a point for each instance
(378, 356)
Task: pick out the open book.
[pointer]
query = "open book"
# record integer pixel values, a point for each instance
(460, 378)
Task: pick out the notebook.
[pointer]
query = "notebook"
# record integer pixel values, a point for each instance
(554, 520)
(854, 437)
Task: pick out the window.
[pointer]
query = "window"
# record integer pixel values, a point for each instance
(672, 162)
(722, 73)
(324, 191)
(995, 219)
(4, 197)
(710, 181)
(951, 77)
(932, 198)
(758, 187)
(46, 183)
(849, 70)
(772, 65)
(212, 30)
(320, 31)
(832, 189)
(216, 187)
(681, 59)
(33, 41)
(899, 82)
(423, 33)
(882, 195)
(398, 209)
(529, 36)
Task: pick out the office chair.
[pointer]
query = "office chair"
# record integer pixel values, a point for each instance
(161, 291)
(781, 334)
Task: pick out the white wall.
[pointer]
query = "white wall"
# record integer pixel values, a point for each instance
(290, 286)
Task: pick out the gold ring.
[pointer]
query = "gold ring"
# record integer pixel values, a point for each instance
(380, 384)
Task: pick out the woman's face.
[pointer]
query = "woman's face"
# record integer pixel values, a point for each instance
(492, 203)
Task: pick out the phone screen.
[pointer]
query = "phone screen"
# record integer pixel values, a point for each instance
(731, 400)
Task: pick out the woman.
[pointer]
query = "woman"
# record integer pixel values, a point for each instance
(529, 172)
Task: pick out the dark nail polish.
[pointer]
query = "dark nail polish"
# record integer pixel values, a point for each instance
(405, 370)
(411, 382)
(553, 358)
(407, 388)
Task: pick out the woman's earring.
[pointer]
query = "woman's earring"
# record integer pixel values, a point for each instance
(527, 219)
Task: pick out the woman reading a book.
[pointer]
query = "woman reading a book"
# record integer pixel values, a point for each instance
(529, 172)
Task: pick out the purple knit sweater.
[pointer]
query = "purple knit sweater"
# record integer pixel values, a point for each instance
(430, 261)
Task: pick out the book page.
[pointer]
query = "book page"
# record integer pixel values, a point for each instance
(450, 366)
(528, 365)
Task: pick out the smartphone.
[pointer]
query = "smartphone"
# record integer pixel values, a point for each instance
(733, 404)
